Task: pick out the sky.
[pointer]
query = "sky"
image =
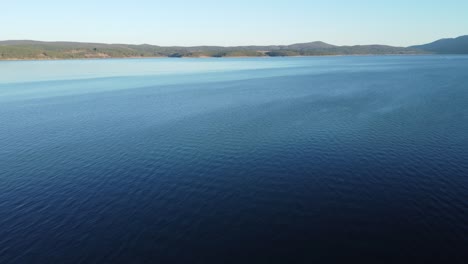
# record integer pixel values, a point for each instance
(239, 22)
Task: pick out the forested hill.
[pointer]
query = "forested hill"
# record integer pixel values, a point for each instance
(27, 49)
(446, 46)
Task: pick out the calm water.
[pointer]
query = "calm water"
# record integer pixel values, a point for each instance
(234, 160)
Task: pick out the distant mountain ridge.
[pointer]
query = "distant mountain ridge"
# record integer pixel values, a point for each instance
(30, 49)
(446, 46)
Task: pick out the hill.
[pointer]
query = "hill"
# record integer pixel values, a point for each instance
(29, 49)
(446, 46)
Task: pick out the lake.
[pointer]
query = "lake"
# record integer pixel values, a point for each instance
(289, 160)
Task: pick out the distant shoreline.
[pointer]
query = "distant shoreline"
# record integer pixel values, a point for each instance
(18, 50)
(233, 57)
(30, 50)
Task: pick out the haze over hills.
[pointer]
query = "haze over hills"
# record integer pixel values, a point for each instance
(28, 49)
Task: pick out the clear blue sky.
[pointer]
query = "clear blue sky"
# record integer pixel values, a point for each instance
(240, 22)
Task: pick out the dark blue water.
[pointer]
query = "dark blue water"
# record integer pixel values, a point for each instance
(290, 160)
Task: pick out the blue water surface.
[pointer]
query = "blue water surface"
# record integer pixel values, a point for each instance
(246, 160)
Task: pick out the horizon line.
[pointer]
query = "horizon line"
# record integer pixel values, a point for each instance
(213, 45)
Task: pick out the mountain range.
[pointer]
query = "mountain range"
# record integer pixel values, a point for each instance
(446, 46)
(29, 49)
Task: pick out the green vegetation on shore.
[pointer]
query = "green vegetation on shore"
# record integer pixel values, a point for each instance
(26, 49)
